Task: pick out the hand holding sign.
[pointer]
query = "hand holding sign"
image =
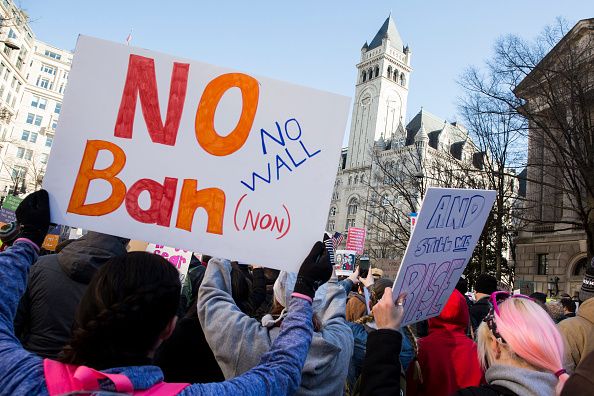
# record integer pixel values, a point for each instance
(386, 313)
(315, 271)
(33, 214)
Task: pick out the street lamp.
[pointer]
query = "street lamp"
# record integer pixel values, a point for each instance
(553, 284)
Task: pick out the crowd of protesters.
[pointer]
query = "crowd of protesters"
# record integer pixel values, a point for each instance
(96, 319)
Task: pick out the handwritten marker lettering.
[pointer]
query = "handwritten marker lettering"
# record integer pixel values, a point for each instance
(256, 220)
(285, 162)
(141, 83)
(456, 212)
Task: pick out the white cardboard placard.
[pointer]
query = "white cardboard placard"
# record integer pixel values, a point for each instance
(344, 262)
(293, 142)
(448, 227)
(179, 258)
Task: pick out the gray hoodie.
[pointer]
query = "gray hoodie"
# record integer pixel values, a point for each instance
(238, 341)
(55, 286)
(522, 381)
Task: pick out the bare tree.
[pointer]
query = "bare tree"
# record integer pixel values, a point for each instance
(399, 179)
(550, 83)
(499, 132)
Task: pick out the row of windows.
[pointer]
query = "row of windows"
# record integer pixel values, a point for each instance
(31, 137)
(41, 103)
(48, 69)
(356, 180)
(354, 204)
(24, 153)
(53, 55)
(542, 265)
(369, 74)
(34, 119)
(27, 154)
(38, 102)
(44, 82)
(392, 74)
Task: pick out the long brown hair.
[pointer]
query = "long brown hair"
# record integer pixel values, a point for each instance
(127, 305)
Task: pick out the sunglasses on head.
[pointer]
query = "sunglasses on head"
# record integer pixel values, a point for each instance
(497, 298)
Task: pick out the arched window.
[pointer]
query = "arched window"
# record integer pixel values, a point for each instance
(363, 178)
(353, 206)
(402, 80)
(396, 75)
(333, 211)
(580, 267)
(370, 74)
(350, 180)
(389, 71)
(377, 71)
(356, 179)
(385, 200)
(364, 76)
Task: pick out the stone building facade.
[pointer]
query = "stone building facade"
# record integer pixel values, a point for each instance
(33, 77)
(30, 138)
(549, 253)
(379, 136)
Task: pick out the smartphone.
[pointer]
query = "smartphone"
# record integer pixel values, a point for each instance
(363, 266)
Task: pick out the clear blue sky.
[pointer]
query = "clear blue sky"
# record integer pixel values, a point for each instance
(313, 43)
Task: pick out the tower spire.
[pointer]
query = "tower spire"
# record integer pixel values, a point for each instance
(388, 30)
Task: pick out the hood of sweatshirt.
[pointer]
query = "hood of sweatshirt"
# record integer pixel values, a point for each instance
(83, 257)
(586, 310)
(454, 317)
(522, 381)
(325, 367)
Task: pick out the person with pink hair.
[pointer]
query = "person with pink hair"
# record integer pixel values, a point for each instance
(520, 349)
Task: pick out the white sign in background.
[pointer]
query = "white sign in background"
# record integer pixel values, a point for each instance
(272, 223)
(344, 262)
(179, 258)
(446, 232)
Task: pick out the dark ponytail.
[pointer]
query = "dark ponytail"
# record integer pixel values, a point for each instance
(127, 305)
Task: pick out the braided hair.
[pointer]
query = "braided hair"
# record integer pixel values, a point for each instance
(377, 292)
(126, 307)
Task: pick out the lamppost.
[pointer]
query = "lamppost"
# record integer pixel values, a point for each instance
(553, 284)
(420, 176)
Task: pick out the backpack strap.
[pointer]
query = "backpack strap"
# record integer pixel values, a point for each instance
(63, 378)
(89, 379)
(59, 377)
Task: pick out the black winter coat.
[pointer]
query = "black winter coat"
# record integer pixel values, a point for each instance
(478, 311)
(55, 286)
(186, 356)
(381, 368)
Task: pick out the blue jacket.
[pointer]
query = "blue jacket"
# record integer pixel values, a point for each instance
(21, 372)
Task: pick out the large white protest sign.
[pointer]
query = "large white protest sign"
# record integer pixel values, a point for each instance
(193, 155)
(447, 229)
